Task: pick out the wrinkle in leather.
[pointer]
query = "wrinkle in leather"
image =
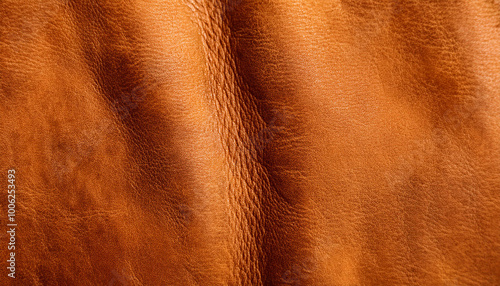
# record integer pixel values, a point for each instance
(192, 142)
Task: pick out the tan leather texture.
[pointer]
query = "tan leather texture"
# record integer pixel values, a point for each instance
(251, 142)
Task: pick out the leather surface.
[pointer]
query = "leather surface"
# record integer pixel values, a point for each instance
(283, 142)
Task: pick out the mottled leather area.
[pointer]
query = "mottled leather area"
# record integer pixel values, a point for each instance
(251, 142)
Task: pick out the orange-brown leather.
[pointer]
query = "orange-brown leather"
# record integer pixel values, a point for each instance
(252, 142)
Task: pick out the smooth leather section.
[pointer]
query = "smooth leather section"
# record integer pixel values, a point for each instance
(283, 142)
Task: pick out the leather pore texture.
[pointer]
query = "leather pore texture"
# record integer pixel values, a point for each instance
(251, 142)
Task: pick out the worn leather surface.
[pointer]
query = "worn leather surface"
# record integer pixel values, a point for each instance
(280, 142)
